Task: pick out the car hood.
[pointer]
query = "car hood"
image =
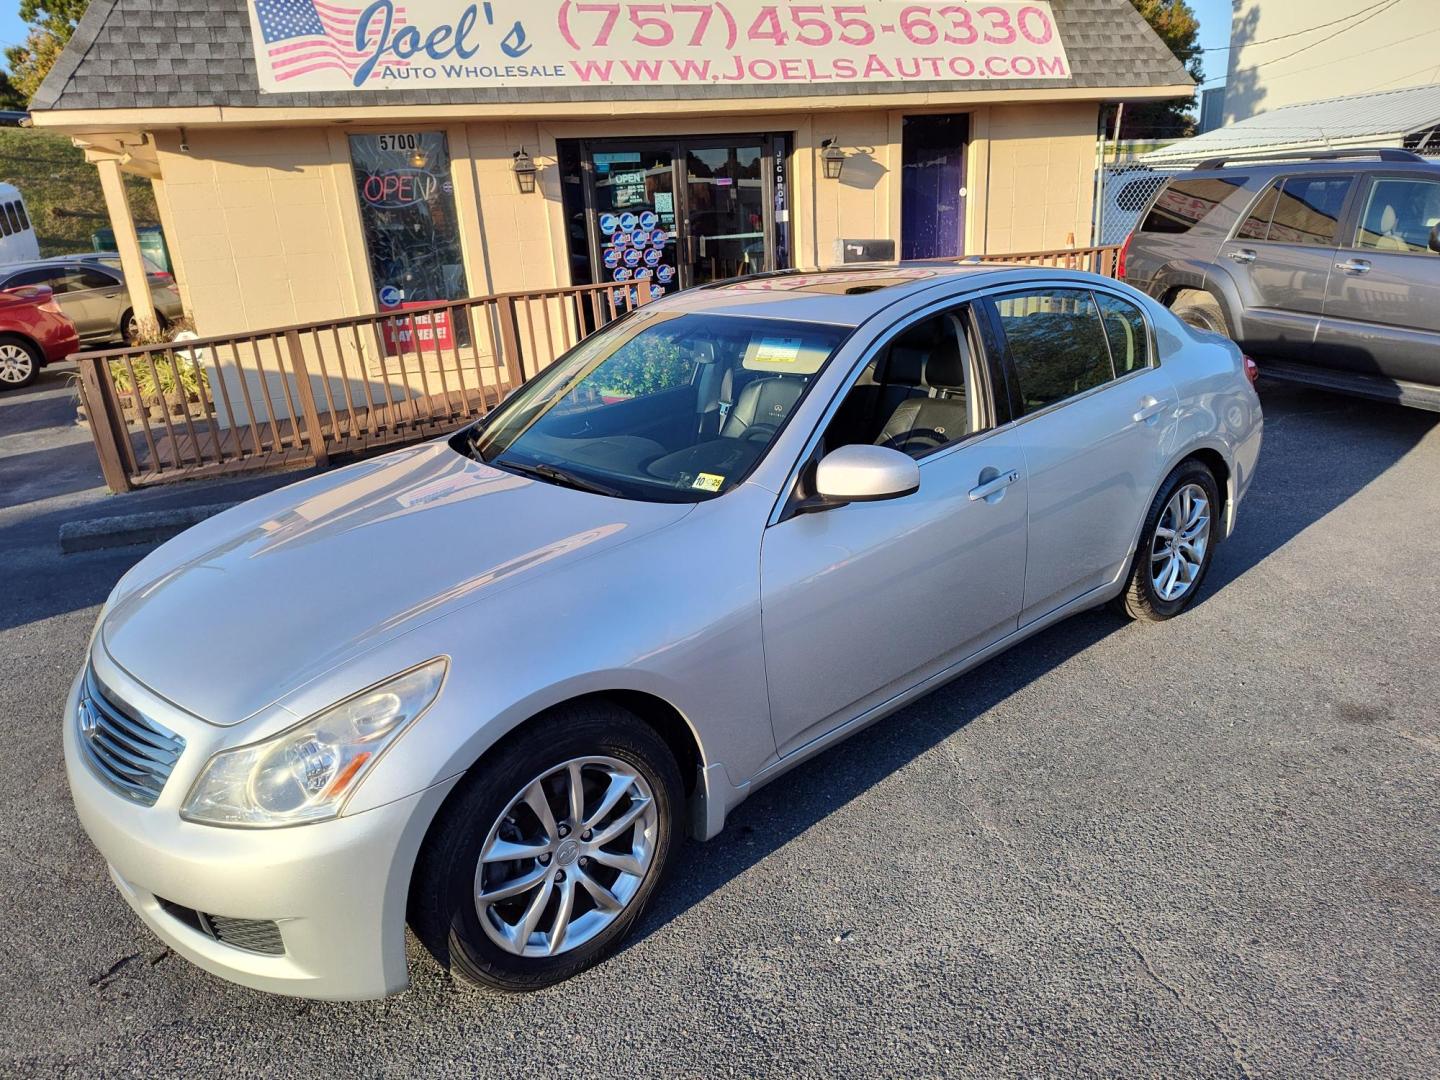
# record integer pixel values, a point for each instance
(247, 607)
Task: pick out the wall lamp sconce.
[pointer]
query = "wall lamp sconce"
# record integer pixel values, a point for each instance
(524, 169)
(832, 159)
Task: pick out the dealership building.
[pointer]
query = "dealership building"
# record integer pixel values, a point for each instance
(314, 159)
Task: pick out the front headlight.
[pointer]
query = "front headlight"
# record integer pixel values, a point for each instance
(306, 772)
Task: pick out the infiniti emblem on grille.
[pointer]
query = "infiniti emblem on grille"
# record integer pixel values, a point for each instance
(86, 718)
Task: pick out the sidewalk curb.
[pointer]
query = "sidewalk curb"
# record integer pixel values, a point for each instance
(123, 530)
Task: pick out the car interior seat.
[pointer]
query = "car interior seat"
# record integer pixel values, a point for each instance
(933, 409)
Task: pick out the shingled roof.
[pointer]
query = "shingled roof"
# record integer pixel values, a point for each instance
(152, 54)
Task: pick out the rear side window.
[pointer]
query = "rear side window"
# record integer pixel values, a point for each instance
(20, 215)
(1056, 342)
(40, 276)
(1125, 330)
(12, 213)
(1299, 210)
(6, 222)
(1185, 203)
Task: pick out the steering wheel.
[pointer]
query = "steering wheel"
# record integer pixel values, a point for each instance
(760, 432)
(930, 438)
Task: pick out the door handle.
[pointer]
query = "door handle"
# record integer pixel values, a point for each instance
(994, 486)
(1149, 409)
(1354, 266)
(1244, 255)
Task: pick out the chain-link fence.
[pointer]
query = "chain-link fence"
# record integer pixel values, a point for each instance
(1127, 189)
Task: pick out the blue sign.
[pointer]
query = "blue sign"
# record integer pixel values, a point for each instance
(632, 257)
(665, 273)
(609, 223)
(659, 237)
(627, 221)
(656, 291)
(648, 220)
(620, 239)
(643, 274)
(622, 274)
(652, 257)
(390, 296)
(611, 257)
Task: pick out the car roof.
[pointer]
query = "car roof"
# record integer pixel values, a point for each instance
(848, 296)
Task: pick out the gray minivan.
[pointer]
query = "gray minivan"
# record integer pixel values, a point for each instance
(1324, 266)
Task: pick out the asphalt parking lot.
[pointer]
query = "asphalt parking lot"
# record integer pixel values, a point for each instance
(1205, 848)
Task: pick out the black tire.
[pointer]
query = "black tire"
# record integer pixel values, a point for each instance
(443, 911)
(1200, 310)
(128, 325)
(17, 352)
(1141, 599)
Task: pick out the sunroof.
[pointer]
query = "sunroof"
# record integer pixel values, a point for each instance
(836, 282)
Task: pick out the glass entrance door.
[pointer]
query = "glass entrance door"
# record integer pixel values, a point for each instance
(667, 214)
(635, 221)
(725, 204)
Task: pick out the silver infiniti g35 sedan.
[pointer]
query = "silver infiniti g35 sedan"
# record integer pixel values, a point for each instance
(486, 683)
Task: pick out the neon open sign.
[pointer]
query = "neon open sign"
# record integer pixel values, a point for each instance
(399, 187)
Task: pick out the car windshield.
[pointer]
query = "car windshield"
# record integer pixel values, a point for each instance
(662, 406)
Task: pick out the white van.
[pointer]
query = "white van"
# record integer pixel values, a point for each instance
(17, 235)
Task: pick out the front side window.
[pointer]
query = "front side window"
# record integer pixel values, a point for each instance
(1056, 342)
(918, 394)
(662, 406)
(7, 220)
(1399, 216)
(20, 216)
(1308, 210)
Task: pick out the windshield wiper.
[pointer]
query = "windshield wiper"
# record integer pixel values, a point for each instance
(559, 476)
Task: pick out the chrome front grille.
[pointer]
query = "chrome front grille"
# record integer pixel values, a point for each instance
(132, 754)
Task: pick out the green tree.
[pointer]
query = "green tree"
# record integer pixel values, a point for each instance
(1179, 28)
(51, 24)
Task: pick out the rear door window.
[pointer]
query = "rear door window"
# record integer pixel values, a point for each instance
(1299, 210)
(1056, 343)
(1185, 203)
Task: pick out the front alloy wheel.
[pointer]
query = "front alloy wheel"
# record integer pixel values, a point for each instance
(541, 860)
(566, 857)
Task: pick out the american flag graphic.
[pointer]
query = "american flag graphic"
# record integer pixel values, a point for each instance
(307, 35)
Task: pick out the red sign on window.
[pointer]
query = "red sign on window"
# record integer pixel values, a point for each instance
(429, 333)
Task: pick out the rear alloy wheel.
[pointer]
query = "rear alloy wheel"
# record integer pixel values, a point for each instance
(1176, 545)
(538, 866)
(19, 362)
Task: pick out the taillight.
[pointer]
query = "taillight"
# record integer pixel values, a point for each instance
(1120, 258)
(1251, 371)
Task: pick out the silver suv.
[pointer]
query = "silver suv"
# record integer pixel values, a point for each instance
(1322, 265)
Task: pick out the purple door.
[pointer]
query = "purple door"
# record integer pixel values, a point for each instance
(932, 186)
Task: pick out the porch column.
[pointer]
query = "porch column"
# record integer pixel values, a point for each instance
(127, 242)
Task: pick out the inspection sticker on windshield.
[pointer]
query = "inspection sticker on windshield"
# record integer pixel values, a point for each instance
(778, 350)
(708, 481)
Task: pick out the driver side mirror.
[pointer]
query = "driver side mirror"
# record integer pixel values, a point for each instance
(861, 473)
(1435, 238)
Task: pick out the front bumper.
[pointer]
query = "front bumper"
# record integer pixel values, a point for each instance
(336, 890)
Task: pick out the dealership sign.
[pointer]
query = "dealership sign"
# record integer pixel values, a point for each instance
(310, 45)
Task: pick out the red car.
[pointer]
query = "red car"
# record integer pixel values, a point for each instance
(33, 332)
